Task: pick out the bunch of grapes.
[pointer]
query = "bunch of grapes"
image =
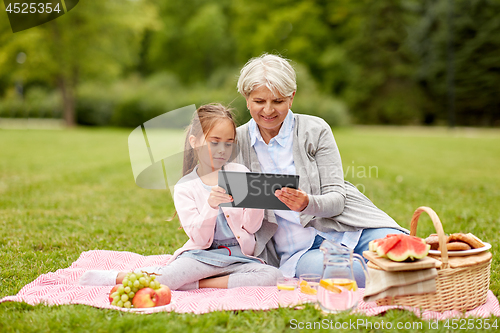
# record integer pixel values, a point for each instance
(131, 284)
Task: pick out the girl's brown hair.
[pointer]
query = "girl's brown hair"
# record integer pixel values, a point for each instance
(202, 123)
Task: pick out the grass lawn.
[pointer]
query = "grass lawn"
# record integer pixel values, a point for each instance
(63, 192)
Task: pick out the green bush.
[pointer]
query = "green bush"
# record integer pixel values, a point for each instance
(38, 103)
(94, 104)
(397, 102)
(310, 100)
(132, 101)
(333, 111)
(133, 111)
(143, 99)
(138, 100)
(12, 108)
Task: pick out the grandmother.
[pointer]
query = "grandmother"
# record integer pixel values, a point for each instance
(325, 206)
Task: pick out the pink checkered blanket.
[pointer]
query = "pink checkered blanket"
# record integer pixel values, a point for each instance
(62, 287)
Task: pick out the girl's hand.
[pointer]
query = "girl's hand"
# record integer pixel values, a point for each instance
(217, 196)
(296, 200)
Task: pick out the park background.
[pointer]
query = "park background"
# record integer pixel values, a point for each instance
(107, 66)
(119, 63)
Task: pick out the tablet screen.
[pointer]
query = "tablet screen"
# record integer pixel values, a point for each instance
(255, 190)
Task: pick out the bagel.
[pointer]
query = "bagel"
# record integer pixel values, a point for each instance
(469, 238)
(458, 246)
(433, 241)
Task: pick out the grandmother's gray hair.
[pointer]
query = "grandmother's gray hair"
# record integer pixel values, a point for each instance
(268, 70)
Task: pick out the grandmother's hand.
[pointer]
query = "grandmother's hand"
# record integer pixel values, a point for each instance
(296, 200)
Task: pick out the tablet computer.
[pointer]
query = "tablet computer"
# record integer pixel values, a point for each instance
(255, 190)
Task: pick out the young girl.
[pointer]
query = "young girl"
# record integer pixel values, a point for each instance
(219, 252)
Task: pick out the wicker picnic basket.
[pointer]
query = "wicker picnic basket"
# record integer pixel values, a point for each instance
(462, 287)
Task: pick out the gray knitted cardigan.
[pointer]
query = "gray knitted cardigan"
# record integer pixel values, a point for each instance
(334, 204)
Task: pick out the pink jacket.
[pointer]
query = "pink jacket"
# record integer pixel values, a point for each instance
(198, 219)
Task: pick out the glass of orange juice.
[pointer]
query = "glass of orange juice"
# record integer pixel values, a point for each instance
(308, 285)
(288, 293)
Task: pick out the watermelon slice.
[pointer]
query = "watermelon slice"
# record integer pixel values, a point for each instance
(387, 244)
(400, 247)
(373, 245)
(408, 248)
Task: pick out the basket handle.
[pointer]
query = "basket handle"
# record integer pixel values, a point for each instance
(437, 225)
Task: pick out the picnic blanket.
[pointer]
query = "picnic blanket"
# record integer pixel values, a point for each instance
(61, 287)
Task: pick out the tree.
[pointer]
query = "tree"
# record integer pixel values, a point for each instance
(374, 67)
(195, 41)
(475, 41)
(355, 49)
(97, 40)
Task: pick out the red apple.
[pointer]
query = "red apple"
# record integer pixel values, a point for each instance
(164, 295)
(115, 288)
(145, 298)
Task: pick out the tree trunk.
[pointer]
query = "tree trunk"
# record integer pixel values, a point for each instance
(68, 97)
(66, 78)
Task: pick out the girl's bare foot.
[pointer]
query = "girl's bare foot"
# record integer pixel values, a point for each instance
(120, 276)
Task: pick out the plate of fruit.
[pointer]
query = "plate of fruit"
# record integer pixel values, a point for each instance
(139, 292)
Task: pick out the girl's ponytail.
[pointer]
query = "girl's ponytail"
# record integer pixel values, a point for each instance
(190, 159)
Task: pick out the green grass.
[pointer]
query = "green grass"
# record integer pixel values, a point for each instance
(68, 191)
